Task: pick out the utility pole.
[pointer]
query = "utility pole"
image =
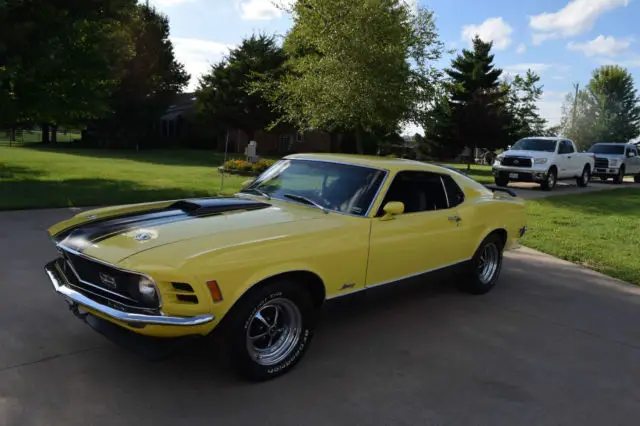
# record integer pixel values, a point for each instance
(575, 105)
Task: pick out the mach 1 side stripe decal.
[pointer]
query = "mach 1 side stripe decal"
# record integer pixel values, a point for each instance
(82, 235)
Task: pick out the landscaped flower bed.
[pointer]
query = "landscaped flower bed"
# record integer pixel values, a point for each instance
(244, 167)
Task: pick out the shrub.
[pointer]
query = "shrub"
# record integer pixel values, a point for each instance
(246, 166)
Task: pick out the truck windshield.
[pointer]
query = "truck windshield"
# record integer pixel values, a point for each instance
(607, 149)
(545, 145)
(343, 188)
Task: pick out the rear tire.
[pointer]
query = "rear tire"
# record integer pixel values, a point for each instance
(270, 329)
(484, 271)
(619, 178)
(550, 180)
(501, 182)
(583, 179)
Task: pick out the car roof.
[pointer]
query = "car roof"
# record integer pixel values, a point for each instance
(386, 163)
(547, 138)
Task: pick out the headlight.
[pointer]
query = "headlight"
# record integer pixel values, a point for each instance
(499, 159)
(540, 161)
(614, 163)
(148, 291)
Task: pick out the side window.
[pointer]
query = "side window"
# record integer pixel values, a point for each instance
(569, 147)
(454, 193)
(418, 191)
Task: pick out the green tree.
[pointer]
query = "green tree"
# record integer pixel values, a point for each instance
(60, 60)
(614, 104)
(524, 92)
(149, 81)
(360, 66)
(578, 122)
(227, 92)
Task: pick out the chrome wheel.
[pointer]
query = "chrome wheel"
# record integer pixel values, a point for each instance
(274, 331)
(585, 177)
(488, 263)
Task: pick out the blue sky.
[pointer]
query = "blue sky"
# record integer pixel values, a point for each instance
(560, 39)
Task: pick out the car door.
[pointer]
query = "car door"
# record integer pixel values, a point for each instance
(421, 239)
(565, 159)
(633, 161)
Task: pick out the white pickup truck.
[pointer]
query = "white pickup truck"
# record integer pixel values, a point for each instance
(543, 160)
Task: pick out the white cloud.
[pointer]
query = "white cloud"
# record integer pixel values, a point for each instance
(538, 38)
(602, 46)
(198, 56)
(263, 10)
(537, 67)
(575, 18)
(493, 29)
(521, 48)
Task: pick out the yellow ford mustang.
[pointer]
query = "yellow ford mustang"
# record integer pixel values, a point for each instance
(260, 264)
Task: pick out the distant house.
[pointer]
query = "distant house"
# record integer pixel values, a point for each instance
(174, 125)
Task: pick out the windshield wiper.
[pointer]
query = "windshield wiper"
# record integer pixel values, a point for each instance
(256, 190)
(306, 201)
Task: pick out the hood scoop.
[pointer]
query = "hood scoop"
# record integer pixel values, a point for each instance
(211, 206)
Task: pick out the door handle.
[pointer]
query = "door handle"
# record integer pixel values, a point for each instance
(456, 218)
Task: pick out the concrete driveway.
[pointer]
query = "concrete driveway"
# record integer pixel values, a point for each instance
(553, 344)
(531, 191)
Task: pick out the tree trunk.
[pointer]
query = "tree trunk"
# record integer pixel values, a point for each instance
(359, 147)
(12, 135)
(54, 133)
(45, 133)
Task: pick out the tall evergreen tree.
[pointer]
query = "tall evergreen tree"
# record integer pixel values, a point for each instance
(227, 93)
(473, 111)
(524, 92)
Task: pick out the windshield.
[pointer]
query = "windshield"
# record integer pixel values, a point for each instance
(545, 145)
(607, 149)
(339, 187)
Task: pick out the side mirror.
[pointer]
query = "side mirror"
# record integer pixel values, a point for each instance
(391, 209)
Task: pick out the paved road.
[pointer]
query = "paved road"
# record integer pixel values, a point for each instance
(553, 344)
(530, 191)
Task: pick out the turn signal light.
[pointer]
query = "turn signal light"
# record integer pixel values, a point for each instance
(216, 294)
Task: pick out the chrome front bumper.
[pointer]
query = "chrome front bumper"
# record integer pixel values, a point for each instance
(76, 299)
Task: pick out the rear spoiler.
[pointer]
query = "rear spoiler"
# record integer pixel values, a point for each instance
(498, 188)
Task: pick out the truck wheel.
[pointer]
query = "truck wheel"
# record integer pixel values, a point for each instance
(619, 178)
(501, 182)
(584, 178)
(550, 180)
(271, 329)
(485, 267)
(636, 178)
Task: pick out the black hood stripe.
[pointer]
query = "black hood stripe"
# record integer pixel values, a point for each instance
(78, 237)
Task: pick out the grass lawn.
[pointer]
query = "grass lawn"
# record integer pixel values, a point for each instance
(36, 177)
(600, 230)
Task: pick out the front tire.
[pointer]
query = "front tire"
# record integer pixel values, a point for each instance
(584, 178)
(550, 180)
(485, 267)
(619, 178)
(271, 329)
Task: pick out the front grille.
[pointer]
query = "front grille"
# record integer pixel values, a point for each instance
(601, 163)
(517, 161)
(103, 280)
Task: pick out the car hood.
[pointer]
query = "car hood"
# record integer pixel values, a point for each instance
(523, 153)
(113, 235)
